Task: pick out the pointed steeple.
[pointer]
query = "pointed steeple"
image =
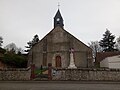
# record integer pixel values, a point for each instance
(58, 20)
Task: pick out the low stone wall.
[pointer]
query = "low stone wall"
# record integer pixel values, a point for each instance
(15, 74)
(87, 74)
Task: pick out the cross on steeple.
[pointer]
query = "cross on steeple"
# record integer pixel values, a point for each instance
(58, 5)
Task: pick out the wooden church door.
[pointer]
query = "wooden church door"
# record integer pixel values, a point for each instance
(58, 61)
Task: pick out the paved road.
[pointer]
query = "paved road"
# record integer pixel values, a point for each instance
(71, 85)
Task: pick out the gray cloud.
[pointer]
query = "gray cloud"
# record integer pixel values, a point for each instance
(20, 20)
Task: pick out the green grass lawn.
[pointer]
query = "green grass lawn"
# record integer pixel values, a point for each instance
(39, 71)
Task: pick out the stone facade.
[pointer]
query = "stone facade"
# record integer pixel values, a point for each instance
(15, 74)
(87, 74)
(58, 43)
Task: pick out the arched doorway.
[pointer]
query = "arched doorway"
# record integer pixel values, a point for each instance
(58, 61)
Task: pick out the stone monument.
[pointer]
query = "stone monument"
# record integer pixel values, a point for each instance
(72, 63)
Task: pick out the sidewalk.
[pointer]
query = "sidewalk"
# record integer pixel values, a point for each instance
(67, 82)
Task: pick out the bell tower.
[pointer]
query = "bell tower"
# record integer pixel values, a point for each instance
(58, 20)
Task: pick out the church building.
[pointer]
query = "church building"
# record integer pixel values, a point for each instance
(56, 46)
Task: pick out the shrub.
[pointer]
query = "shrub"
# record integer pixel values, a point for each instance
(14, 60)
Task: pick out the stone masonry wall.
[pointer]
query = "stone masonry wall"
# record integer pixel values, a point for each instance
(87, 74)
(15, 74)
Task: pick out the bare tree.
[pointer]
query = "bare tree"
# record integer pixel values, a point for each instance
(94, 45)
(117, 45)
(13, 48)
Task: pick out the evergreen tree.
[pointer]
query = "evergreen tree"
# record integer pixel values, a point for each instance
(35, 40)
(1, 41)
(107, 43)
(32, 43)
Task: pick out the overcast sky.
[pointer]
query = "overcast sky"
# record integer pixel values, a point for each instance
(87, 20)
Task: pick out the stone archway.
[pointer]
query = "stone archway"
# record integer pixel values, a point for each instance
(57, 61)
